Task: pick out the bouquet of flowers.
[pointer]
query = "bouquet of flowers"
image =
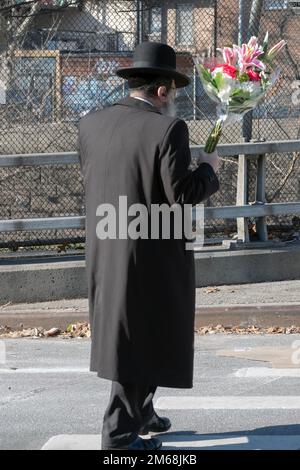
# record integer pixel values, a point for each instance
(239, 82)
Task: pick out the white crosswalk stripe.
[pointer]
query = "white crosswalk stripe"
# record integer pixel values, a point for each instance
(228, 403)
(267, 372)
(45, 370)
(184, 442)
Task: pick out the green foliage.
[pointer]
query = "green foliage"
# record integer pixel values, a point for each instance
(265, 47)
(239, 96)
(243, 77)
(205, 73)
(218, 80)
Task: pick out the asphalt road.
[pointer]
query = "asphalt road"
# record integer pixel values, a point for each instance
(46, 391)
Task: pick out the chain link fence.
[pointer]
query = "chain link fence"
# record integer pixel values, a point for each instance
(57, 63)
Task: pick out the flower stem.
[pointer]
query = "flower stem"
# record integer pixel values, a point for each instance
(213, 137)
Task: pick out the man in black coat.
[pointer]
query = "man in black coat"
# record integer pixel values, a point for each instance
(141, 288)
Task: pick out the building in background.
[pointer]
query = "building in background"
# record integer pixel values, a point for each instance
(77, 49)
(61, 65)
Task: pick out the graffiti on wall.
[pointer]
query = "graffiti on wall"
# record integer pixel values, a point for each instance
(94, 89)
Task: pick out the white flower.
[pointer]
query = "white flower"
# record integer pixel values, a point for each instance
(224, 94)
(253, 87)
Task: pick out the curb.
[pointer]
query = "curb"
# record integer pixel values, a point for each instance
(43, 279)
(262, 315)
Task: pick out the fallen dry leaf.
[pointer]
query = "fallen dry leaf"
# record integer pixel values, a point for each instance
(82, 330)
(52, 332)
(210, 290)
(253, 329)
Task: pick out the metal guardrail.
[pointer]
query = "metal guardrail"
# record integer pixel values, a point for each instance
(251, 149)
(241, 211)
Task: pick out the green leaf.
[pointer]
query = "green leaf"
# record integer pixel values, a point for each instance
(218, 80)
(265, 43)
(239, 96)
(239, 92)
(206, 74)
(243, 77)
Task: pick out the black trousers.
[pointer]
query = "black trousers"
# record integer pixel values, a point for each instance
(130, 407)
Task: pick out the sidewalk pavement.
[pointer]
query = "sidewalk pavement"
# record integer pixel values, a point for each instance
(264, 304)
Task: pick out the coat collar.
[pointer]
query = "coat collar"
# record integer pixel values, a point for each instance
(130, 101)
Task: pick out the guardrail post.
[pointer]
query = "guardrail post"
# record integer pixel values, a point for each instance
(241, 197)
(261, 225)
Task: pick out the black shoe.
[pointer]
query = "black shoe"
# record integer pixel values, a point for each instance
(139, 444)
(155, 424)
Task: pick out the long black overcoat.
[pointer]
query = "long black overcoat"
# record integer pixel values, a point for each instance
(141, 291)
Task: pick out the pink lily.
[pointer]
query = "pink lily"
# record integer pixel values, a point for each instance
(248, 55)
(230, 56)
(275, 49)
(253, 42)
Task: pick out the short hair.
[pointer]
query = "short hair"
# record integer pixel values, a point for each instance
(149, 83)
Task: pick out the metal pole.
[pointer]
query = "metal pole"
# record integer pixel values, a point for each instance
(215, 27)
(253, 30)
(247, 120)
(139, 21)
(255, 15)
(242, 22)
(164, 22)
(194, 92)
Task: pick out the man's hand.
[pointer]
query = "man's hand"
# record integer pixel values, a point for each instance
(212, 158)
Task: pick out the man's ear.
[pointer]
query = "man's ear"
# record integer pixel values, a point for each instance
(162, 91)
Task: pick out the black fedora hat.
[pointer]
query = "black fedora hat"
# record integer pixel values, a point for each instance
(154, 58)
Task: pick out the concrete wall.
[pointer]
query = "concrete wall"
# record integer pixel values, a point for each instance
(42, 280)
